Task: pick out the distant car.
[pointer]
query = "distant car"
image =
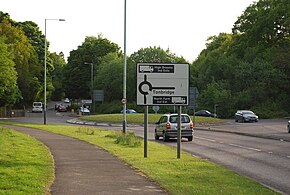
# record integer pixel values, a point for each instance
(246, 116)
(56, 106)
(37, 107)
(130, 111)
(205, 113)
(84, 111)
(288, 126)
(66, 100)
(61, 108)
(167, 126)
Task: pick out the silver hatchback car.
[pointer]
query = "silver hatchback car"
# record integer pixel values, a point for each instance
(167, 126)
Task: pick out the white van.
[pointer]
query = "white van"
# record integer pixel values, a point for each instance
(37, 107)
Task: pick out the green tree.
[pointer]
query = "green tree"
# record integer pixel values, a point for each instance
(77, 72)
(264, 22)
(35, 36)
(56, 76)
(155, 55)
(110, 76)
(263, 32)
(9, 92)
(25, 59)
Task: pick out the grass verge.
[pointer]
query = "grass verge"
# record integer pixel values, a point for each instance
(139, 118)
(188, 175)
(26, 166)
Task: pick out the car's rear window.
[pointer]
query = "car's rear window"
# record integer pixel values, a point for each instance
(37, 104)
(184, 119)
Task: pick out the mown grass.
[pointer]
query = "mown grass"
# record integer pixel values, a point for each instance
(26, 166)
(139, 118)
(188, 175)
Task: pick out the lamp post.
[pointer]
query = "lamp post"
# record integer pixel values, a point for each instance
(124, 78)
(44, 109)
(92, 82)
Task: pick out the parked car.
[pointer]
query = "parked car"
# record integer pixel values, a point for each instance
(246, 116)
(61, 108)
(56, 106)
(130, 111)
(66, 100)
(37, 107)
(288, 126)
(84, 111)
(205, 113)
(167, 126)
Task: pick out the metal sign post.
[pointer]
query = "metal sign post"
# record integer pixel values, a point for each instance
(145, 131)
(179, 132)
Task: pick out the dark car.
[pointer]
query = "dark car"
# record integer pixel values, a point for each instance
(167, 126)
(205, 113)
(246, 116)
(61, 108)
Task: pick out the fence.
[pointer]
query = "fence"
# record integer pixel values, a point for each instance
(7, 112)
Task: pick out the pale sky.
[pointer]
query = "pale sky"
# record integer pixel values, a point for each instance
(183, 26)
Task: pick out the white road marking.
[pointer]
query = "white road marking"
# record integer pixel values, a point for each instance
(235, 145)
(245, 147)
(210, 140)
(288, 156)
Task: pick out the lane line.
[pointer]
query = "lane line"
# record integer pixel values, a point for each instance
(210, 140)
(245, 147)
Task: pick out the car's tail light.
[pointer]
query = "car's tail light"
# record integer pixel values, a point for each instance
(191, 125)
(168, 126)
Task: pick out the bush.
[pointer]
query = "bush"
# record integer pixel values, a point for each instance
(269, 110)
(128, 139)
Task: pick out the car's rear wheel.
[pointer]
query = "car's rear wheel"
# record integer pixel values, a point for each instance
(165, 137)
(156, 136)
(189, 138)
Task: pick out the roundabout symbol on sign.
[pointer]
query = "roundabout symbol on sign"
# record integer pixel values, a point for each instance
(146, 82)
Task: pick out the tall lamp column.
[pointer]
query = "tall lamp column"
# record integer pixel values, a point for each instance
(125, 69)
(45, 48)
(92, 84)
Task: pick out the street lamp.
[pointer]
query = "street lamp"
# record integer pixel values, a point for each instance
(44, 109)
(124, 78)
(92, 82)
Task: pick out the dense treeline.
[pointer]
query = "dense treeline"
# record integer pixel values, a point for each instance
(250, 68)
(246, 69)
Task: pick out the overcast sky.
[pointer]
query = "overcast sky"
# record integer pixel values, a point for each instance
(183, 26)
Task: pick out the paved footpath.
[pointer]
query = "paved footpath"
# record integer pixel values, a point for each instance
(82, 168)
